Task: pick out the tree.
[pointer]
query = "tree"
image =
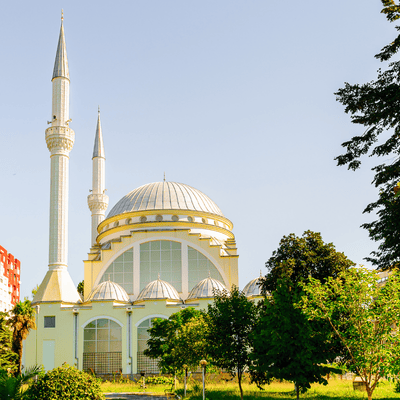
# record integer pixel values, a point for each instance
(295, 261)
(298, 258)
(376, 106)
(286, 345)
(81, 287)
(232, 317)
(12, 387)
(22, 320)
(7, 357)
(178, 340)
(369, 334)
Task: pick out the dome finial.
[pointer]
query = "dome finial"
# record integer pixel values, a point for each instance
(62, 15)
(260, 274)
(164, 176)
(158, 278)
(98, 109)
(209, 274)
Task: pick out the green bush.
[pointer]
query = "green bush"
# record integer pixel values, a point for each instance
(159, 380)
(65, 382)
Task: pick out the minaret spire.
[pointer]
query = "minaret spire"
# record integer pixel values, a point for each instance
(61, 63)
(98, 200)
(57, 285)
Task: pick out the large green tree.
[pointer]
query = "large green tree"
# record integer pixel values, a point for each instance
(286, 346)
(232, 318)
(375, 106)
(298, 258)
(369, 333)
(295, 261)
(179, 340)
(21, 321)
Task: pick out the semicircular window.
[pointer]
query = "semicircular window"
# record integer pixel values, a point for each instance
(199, 267)
(102, 347)
(121, 271)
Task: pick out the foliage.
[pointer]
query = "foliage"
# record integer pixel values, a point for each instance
(375, 106)
(372, 312)
(81, 287)
(22, 320)
(232, 317)
(297, 258)
(8, 358)
(159, 380)
(34, 291)
(286, 345)
(11, 387)
(66, 382)
(178, 340)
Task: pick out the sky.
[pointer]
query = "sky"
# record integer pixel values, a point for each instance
(235, 98)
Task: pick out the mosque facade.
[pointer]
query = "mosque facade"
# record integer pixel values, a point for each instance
(163, 247)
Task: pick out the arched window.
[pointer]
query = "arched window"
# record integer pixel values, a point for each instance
(102, 347)
(121, 271)
(161, 257)
(199, 266)
(145, 363)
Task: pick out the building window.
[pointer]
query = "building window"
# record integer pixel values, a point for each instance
(102, 347)
(199, 267)
(50, 322)
(162, 258)
(121, 271)
(144, 363)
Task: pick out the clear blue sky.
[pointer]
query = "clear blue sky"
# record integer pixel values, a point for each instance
(234, 98)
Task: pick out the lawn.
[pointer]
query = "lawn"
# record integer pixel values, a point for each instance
(335, 390)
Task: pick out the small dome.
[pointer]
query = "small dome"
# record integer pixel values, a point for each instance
(108, 291)
(253, 287)
(158, 290)
(165, 196)
(204, 289)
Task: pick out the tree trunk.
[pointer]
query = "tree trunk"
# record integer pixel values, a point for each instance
(369, 391)
(297, 391)
(184, 390)
(240, 383)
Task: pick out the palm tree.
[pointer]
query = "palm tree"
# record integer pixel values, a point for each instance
(11, 386)
(22, 320)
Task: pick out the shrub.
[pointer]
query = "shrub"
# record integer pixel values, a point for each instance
(159, 380)
(66, 382)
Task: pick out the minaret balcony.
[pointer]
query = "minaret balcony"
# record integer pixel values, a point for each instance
(60, 139)
(97, 202)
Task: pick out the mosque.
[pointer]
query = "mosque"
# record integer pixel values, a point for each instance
(163, 247)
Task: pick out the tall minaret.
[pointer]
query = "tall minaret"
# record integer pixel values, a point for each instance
(57, 284)
(98, 200)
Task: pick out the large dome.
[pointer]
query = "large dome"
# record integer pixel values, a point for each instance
(165, 196)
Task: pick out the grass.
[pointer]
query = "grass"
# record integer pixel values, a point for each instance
(336, 389)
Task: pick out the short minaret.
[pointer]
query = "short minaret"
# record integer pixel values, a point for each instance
(57, 284)
(98, 200)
